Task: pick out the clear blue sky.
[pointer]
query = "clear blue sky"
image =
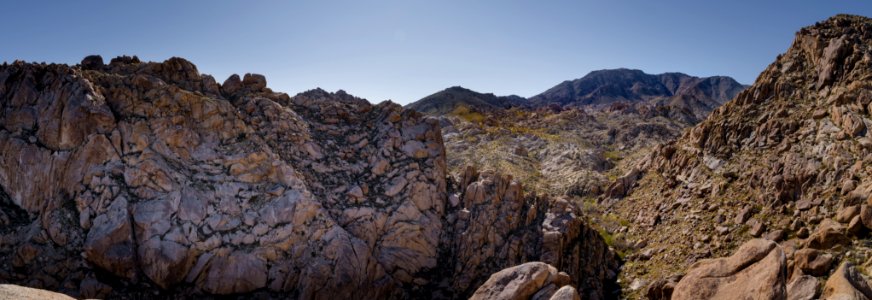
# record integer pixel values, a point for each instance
(405, 50)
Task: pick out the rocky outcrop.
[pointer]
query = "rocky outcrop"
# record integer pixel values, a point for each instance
(151, 179)
(533, 280)
(757, 270)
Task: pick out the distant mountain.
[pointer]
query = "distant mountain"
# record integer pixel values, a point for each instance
(698, 95)
(447, 100)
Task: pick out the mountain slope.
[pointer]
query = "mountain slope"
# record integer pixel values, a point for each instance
(447, 100)
(787, 160)
(604, 87)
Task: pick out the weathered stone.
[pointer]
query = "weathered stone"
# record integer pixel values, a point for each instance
(662, 288)
(109, 244)
(757, 268)
(567, 292)
(829, 234)
(519, 282)
(846, 283)
(232, 85)
(847, 213)
(803, 288)
(237, 273)
(812, 262)
(255, 82)
(9, 291)
(92, 62)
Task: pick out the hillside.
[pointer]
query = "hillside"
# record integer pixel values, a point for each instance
(574, 148)
(786, 160)
(448, 100)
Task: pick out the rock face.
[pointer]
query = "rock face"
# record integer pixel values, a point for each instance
(781, 159)
(151, 179)
(757, 269)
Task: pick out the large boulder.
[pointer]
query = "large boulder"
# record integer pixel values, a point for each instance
(757, 270)
(10, 291)
(522, 282)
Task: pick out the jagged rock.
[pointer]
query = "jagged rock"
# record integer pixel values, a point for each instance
(620, 187)
(846, 283)
(757, 269)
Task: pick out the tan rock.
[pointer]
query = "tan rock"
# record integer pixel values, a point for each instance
(803, 288)
(813, 262)
(519, 282)
(829, 234)
(757, 270)
(846, 283)
(10, 291)
(567, 292)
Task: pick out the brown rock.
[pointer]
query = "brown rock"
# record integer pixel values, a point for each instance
(232, 85)
(756, 269)
(757, 228)
(109, 244)
(803, 288)
(813, 262)
(866, 215)
(847, 213)
(856, 227)
(254, 82)
(846, 283)
(567, 292)
(92, 62)
(662, 289)
(743, 215)
(829, 234)
(237, 273)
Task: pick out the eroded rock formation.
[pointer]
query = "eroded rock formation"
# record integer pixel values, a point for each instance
(151, 179)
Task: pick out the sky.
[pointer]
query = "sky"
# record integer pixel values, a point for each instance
(405, 50)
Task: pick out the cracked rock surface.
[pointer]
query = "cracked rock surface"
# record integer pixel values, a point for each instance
(142, 179)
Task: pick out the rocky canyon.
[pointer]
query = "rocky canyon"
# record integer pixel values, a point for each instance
(131, 179)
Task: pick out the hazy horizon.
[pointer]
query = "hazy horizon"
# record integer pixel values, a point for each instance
(404, 51)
